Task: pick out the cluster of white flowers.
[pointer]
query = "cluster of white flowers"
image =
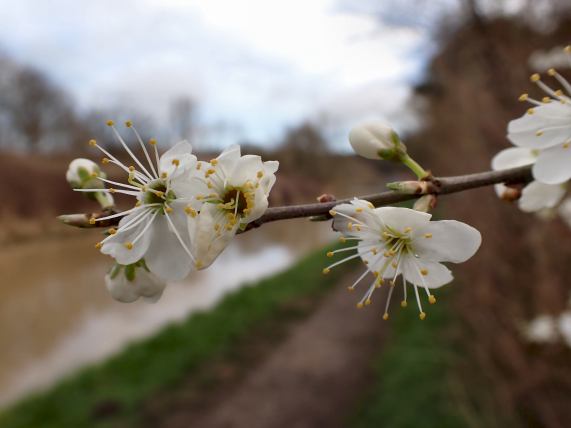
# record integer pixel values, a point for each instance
(542, 137)
(184, 214)
(549, 329)
(394, 241)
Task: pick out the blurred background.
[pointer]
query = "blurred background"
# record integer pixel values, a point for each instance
(259, 339)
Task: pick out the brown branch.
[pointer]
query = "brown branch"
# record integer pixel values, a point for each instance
(437, 186)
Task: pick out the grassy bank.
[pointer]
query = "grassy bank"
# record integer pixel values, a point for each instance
(413, 375)
(120, 385)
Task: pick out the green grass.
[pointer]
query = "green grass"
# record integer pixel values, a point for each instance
(412, 382)
(177, 352)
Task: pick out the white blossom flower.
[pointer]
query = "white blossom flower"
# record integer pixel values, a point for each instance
(547, 127)
(155, 228)
(535, 196)
(128, 283)
(394, 241)
(235, 192)
(375, 140)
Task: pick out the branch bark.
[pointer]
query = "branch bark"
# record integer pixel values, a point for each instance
(438, 186)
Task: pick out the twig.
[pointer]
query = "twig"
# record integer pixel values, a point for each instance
(439, 186)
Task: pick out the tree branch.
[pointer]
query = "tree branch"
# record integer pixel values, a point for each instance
(437, 186)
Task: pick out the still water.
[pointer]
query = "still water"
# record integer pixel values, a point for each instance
(56, 315)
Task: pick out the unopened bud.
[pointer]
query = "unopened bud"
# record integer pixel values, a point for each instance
(84, 174)
(413, 187)
(375, 140)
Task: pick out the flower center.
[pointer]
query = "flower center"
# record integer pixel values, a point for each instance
(156, 193)
(235, 201)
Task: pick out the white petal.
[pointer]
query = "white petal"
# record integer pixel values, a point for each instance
(513, 157)
(399, 219)
(115, 245)
(362, 212)
(148, 285)
(553, 120)
(228, 158)
(260, 206)
(437, 274)
(553, 165)
(245, 169)
(181, 152)
(447, 241)
(537, 196)
(166, 257)
(206, 245)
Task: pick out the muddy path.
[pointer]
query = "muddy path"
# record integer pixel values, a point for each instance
(314, 375)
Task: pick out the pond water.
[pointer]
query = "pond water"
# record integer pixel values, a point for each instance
(56, 314)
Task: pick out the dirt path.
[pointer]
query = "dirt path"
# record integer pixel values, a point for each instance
(312, 378)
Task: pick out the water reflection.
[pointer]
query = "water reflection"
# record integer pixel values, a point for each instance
(56, 315)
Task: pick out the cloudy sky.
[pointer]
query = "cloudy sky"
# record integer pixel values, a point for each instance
(258, 65)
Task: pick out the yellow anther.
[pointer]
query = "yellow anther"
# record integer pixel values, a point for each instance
(387, 254)
(175, 162)
(523, 97)
(199, 197)
(138, 203)
(209, 172)
(359, 210)
(190, 211)
(112, 190)
(551, 72)
(131, 168)
(535, 77)
(329, 253)
(98, 245)
(325, 271)
(92, 220)
(128, 124)
(359, 305)
(407, 229)
(546, 100)
(342, 239)
(105, 161)
(198, 166)
(368, 302)
(128, 245)
(431, 299)
(374, 251)
(213, 195)
(350, 226)
(213, 162)
(228, 226)
(110, 123)
(164, 175)
(428, 235)
(260, 174)
(567, 49)
(370, 205)
(424, 271)
(530, 110)
(350, 289)
(209, 184)
(366, 262)
(94, 174)
(159, 193)
(422, 316)
(198, 264)
(168, 210)
(394, 265)
(376, 274)
(152, 142)
(403, 304)
(112, 231)
(332, 213)
(92, 143)
(385, 316)
(538, 133)
(565, 145)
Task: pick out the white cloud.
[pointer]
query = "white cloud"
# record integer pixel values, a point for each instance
(261, 64)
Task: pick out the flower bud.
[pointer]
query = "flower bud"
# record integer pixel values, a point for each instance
(375, 140)
(84, 174)
(425, 203)
(127, 283)
(81, 172)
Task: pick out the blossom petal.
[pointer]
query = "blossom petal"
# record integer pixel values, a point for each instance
(206, 245)
(116, 247)
(537, 196)
(166, 257)
(363, 212)
(553, 165)
(245, 169)
(513, 157)
(181, 155)
(436, 275)
(228, 158)
(447, 241)
(399, 219)
(553, 120)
